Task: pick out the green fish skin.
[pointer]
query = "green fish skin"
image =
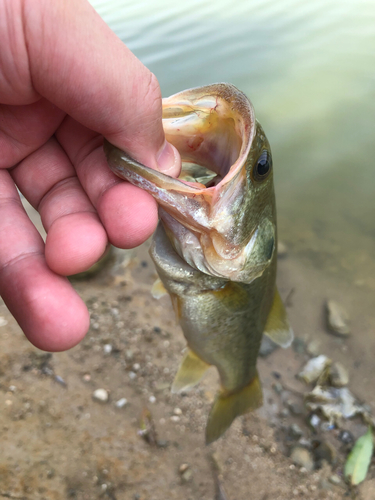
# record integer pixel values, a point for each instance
(215, 248)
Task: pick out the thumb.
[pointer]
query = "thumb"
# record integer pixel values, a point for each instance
(82, 67)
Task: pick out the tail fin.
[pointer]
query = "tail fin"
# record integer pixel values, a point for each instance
(227, 408)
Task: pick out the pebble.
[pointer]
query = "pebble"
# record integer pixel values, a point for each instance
(107, 348)
(294, 408)
(121, 403)
(177, 411)
(183, 468)
(86, 377)
(277, 387)
(100, 395)
(175, 418)
(338, 375)
(335, 479)
(302, 457)
(295, 431)
(136, 367)
(152, 399)
(299, 345)
(3, 321)
(313, 348)
(132, 375)
(314, 421)
(337, 318)
(267, 347)
(314, 368)
(346, 437)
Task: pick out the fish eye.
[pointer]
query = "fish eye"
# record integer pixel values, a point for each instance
(263, 166)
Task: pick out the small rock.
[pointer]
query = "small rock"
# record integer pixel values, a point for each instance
(177, 411)
(314, 421)
(121, 403)
(346, 437)
(338, 375)
(136, 367)
(162, 443)
(100, 395)
(335, 479)
(295, 431)
(129, 354)
(277, 387)
(314, 368)
(86, 377)
(157, 329)
(284, 413)
(3, 321)
(299, 345)
(313, 348)
(107, 348)
(337, 318)
(132, 375)
(267, 347)
(295, 408)
(183, 468)
(175, 418)
(152, 399)
(302, 457)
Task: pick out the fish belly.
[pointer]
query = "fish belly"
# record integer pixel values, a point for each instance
(222, 321)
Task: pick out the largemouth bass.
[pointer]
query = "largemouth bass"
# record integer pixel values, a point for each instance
(215, 248)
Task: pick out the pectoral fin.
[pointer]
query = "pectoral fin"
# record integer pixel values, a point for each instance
(158, 289)
(190, 372)
(277, 326)
(227, 408)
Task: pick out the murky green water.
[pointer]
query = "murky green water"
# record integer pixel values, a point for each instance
(309, 69)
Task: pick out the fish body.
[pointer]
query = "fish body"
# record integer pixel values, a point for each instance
(215, 248)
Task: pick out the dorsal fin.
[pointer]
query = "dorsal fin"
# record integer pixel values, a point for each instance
(277, 327)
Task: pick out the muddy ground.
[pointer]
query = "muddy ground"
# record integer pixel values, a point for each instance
(59, 442)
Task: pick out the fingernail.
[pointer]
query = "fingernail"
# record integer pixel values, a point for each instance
(168, 160)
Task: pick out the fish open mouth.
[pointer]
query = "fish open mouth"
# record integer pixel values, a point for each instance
(210, 129)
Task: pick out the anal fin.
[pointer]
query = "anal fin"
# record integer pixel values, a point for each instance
(190, 372)
(277, 327)
(158, 289)
(226, 408)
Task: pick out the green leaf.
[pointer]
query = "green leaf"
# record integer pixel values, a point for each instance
(359, 458)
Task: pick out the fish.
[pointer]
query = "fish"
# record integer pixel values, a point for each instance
(215, 248)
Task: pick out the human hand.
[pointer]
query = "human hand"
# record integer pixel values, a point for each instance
(66, 81)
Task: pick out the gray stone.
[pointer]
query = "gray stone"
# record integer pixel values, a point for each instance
(337, 318)
(338, 375)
